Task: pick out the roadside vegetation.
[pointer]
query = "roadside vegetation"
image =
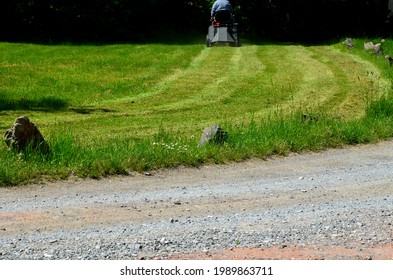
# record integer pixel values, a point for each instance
(114, 109)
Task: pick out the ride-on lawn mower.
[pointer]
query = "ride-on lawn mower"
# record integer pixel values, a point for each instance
(223, 30)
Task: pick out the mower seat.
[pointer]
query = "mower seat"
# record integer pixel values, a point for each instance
(223, 16)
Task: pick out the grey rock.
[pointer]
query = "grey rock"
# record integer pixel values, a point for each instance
(24, 133)
(369, 46)
(376, 48)
(213, 134)
(348, 42)
(389, 59)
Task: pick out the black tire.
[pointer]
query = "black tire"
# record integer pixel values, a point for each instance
(208, 42)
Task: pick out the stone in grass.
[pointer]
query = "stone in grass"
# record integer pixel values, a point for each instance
(213, 134)
(376, 48)
(348, 42)
(24, 133)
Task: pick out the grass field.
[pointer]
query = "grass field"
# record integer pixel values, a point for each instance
(113, 109)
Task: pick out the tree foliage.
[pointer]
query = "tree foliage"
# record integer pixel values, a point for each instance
(139, 19)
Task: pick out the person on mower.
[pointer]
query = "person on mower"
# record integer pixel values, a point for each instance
(221, 5)
(223, 28)
(222, 11)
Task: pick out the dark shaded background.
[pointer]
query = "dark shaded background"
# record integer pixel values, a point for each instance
(141, 20)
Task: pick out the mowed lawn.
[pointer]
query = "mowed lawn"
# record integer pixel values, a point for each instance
(116, 95)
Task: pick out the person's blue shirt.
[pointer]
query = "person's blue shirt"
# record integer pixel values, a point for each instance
(221, 5)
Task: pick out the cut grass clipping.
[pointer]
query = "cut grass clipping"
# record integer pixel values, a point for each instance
(115, 109)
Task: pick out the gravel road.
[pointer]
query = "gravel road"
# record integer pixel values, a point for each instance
(341, 198)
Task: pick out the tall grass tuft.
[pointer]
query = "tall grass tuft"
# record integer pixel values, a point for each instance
(382, 108)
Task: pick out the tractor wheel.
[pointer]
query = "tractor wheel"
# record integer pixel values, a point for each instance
(208, 42)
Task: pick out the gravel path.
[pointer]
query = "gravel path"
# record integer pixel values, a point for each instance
(337, 198)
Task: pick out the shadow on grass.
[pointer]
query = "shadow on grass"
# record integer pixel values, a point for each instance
(42, 104)
(46, 104)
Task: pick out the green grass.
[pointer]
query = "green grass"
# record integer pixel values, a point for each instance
(118, 108)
